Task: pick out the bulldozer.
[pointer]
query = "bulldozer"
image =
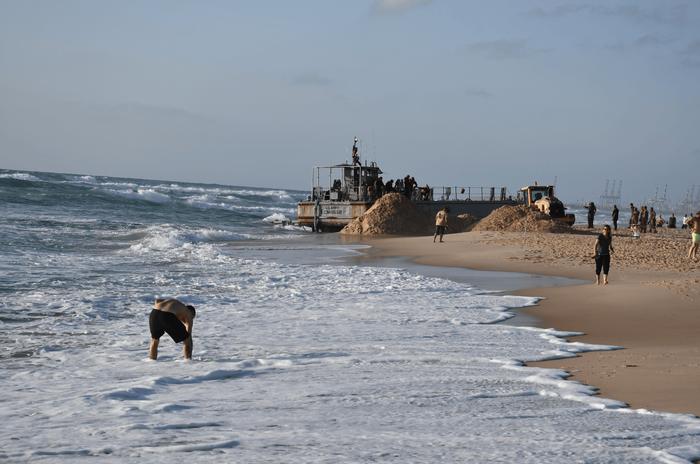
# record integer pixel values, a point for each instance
(542, 199)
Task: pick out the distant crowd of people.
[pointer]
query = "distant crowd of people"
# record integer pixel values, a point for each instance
(642, 220)
(406, 186)
(645, 220)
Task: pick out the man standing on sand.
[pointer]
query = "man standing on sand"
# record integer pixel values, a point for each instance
(615, 216)
(635, 218)
(694, 226)
(440, 223)
(591, 214)
(175, 318)
(632, 208)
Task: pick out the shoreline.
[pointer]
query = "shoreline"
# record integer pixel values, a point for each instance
(654, 315)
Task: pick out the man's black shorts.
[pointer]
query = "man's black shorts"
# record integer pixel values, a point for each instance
(162, 321)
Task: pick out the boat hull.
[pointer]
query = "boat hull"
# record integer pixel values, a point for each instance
(329, 215)
(334, 215)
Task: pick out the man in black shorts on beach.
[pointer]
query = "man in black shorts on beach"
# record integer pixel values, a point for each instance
(175, 318)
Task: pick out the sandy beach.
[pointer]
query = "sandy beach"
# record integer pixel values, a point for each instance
(651, 307)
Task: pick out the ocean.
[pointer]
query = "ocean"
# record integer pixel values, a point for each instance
(300, 354)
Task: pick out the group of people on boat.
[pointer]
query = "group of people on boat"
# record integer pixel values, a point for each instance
(406, 186)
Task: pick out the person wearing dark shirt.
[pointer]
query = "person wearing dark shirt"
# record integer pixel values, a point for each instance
(672, 221)
(615, 216)
(355, 154)
(603, 250)
(591, 214)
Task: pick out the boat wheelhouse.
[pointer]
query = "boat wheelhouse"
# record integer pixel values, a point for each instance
(340, 193)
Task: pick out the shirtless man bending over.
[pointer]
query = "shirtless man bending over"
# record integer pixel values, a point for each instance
(171, 316)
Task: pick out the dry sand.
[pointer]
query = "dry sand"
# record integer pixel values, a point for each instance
(651, 306)
(393, 213)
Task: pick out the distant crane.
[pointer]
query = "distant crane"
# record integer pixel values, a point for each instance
(691, 202)
(612, 194)
(660, 202)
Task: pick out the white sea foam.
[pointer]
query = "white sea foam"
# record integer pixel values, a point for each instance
(19, 176)
(129, 185)
(170, 238)
(277, 218)
(297, 363)
(279, 194)
(82, 179)
(231, 193)
(144, 194)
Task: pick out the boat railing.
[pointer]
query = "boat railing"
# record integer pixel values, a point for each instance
(463, 194)
(362, 193)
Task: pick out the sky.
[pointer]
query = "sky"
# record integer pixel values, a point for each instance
(454, 92)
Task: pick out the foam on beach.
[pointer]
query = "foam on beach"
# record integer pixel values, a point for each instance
(287, 362)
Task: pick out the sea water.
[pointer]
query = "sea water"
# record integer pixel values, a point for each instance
(298, 356)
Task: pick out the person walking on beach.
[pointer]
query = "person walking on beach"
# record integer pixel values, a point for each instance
(591, 214)
(615, 216)
(652, 221)
(603, 250)
(634, 220)
(441, 223)
(174, 317)
(694, 226)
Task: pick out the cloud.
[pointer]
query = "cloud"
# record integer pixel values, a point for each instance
(504, 49)
(674, 15)
(645, 41)
(651, 40)
(137, 109)
(691, 54)
(397, 6)
(557, 11)
(311, 79)
(478, 93)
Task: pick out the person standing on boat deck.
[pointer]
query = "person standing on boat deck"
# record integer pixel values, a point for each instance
(355, 154)
(441, 223)
(603, 250)
(174, 317)
(615, 216)
(591, 214)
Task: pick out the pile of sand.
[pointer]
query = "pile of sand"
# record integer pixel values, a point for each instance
(394, 214)
(519, 219)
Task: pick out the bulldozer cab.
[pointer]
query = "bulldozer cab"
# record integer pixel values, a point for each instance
(533, 193)
(542, 199)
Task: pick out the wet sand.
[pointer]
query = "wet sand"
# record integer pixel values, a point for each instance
(651, 306)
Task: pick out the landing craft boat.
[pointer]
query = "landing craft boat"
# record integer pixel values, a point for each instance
(347, 195)
(343, 192)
